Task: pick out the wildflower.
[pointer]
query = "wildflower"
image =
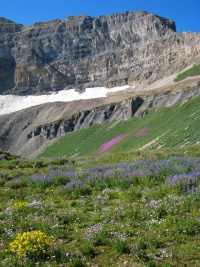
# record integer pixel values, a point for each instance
(30, 243)
(19, 205)
(110, 143)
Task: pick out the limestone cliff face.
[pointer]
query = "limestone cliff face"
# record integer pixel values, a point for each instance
(128, 48)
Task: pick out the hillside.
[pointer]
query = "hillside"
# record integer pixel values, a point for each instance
(170, 127)
(27, 132)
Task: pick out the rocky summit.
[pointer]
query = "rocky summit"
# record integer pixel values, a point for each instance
(80, 51)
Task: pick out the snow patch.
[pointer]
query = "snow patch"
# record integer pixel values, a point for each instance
(12, 103)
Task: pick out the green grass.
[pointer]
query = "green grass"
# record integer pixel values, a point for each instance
(170, 127)
(194, 71)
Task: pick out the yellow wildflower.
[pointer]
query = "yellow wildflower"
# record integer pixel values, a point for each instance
(29, 243)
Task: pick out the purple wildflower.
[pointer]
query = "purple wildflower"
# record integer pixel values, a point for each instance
(186, 182)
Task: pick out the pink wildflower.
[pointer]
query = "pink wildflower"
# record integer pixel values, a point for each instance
(110, 143)
(142, 132)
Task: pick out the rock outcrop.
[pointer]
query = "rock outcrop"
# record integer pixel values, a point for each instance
(78, 52)
(113, 112)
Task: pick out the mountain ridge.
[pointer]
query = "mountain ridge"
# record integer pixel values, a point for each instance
(126, 48)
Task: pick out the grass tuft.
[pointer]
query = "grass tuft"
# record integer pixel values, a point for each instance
(194, 71)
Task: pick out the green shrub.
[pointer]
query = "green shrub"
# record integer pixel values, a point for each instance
(120, 246)
(76, 262)
(88, 249)
(60, 180)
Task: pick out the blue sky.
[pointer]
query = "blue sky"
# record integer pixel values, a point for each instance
(184, 12)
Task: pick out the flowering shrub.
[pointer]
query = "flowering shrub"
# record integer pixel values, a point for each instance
(19, 205)
(31, 243)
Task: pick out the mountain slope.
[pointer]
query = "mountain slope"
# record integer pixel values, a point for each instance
(169, 127)
(28, 132)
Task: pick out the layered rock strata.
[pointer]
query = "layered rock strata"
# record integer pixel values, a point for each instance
(78, 52)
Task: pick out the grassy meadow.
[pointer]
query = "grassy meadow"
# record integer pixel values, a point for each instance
(95, 198)
(141, 212)
(170, 128)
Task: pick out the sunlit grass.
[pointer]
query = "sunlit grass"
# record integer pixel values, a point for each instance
(194, 71)
(169, 128)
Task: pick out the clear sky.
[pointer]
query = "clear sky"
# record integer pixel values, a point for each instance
(185, 13)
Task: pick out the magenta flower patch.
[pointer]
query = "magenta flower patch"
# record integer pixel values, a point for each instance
(110, 143)
(142, 132)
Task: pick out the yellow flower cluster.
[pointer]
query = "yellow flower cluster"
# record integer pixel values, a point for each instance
(19, 205)
(30, 243)
(49, 190)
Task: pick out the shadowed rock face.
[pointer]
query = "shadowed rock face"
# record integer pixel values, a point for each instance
(78, 52)
(113, 112)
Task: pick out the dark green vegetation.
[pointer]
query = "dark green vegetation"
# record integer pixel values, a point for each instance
(125, 207)
(136, 213)
(194, 71)
(169, 127)
(6, 155)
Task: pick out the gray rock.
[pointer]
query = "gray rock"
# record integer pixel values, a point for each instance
(2, 156)
(78, 52)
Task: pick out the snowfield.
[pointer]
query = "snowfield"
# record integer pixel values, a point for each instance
(12, 103)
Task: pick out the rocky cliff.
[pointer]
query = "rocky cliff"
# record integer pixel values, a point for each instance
(128, 48)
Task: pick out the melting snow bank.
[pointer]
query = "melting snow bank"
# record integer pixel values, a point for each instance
(12, 103)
